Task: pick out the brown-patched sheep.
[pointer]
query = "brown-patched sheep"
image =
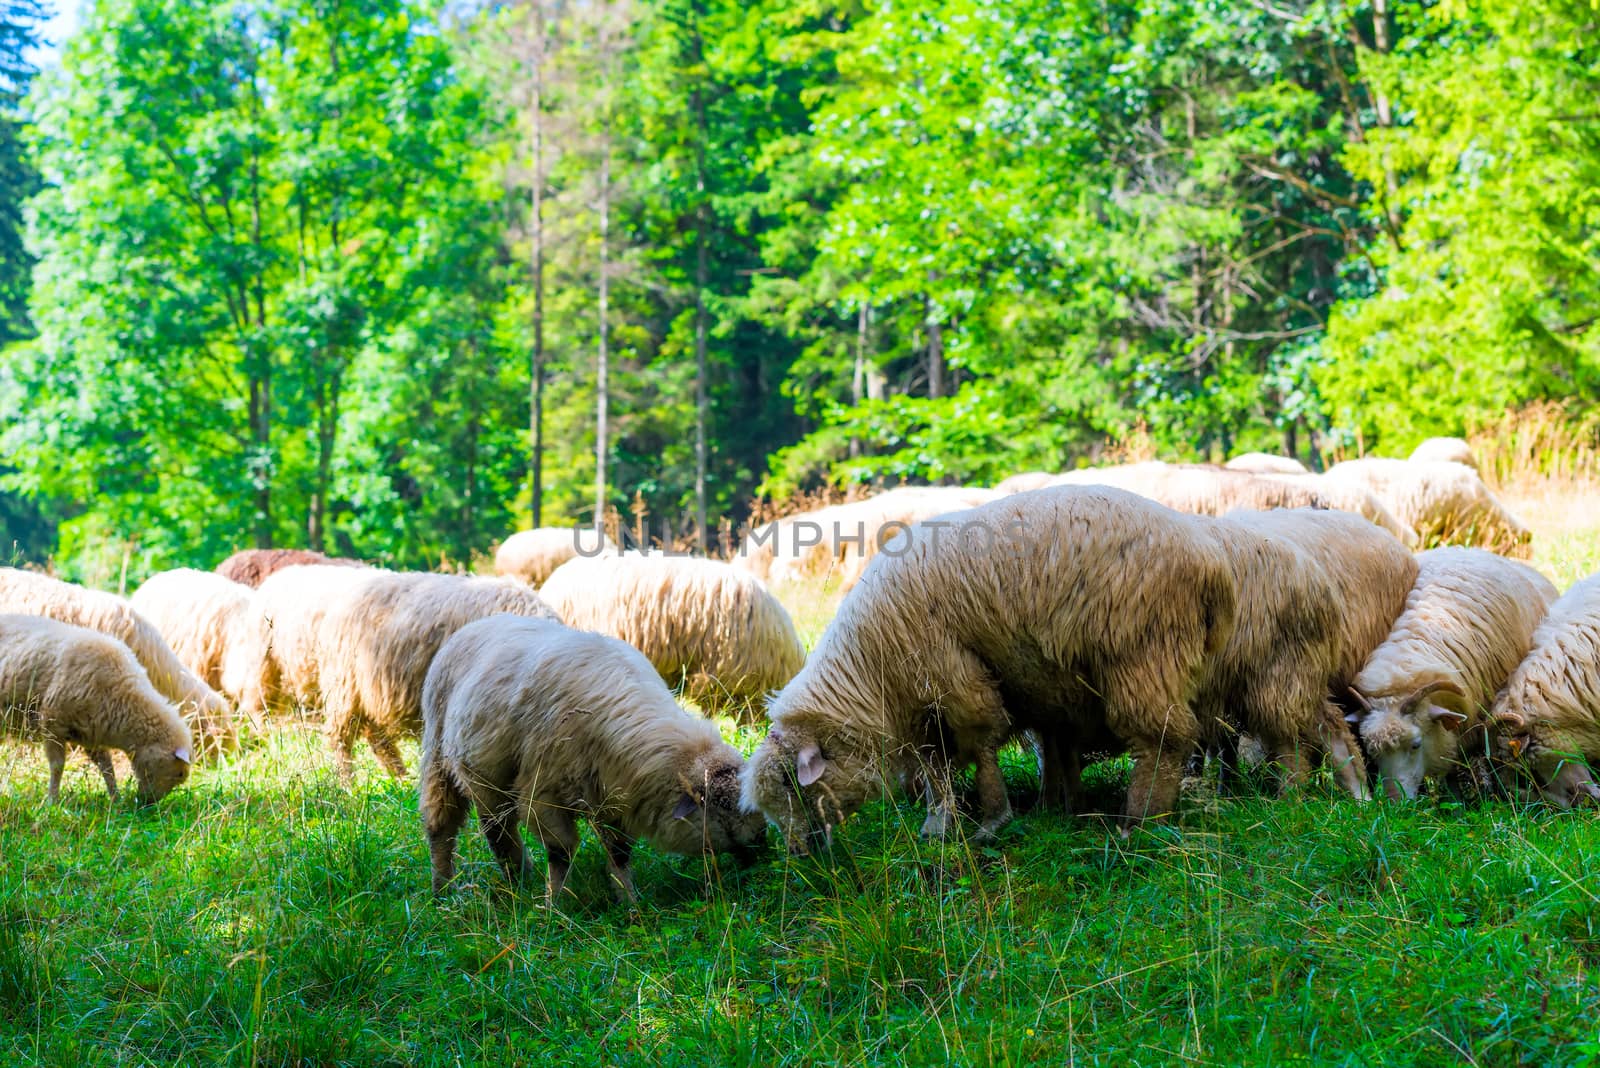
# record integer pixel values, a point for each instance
(531, 555)
(1548, 716)
(1425, 692)
(707, 626)
(63, 685)
(30, 593)
(1074, 612)
(205, 619)
(529, 721)
(252, 567)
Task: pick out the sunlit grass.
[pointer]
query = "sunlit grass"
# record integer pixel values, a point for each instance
(265, 915)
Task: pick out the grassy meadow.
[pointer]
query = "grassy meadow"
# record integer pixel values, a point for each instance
(263, 915)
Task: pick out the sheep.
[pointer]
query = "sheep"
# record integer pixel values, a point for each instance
(34, 594)
(1272, 676)
(1424, 693)
(527, 720)
(1265, 463)
(64, 684)
(372, 647)
(839, 541)
(530, 556)
(1075, 612)
(1547, 717)
(1445, 450)
(1342, 496)
(205, 619)
(278, 654)
(252, 567)
(1445, 503)
(1022, 483)
(704, 624)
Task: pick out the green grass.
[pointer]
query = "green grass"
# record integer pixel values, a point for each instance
(264, 915)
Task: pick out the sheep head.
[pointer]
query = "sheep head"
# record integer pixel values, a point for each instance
(703, 815)
(1560, 772)
(160, 768)
(806, 783)
(1413, 735)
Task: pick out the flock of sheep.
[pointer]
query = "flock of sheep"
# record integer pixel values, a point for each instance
(1163, 611)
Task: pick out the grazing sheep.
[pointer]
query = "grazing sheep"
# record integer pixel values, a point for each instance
(278, 655)
(252, 567)
(1271, 678)
(1074, 612)
(704, 624)
(205, 619)
(527, 720)
(1445, 450)
(1342, 496)
(1022, 483)
(1443, 502)
(33, 594)
(1548, 715)
(63, 684)
(1265, 463)
(1424, 693)
(839, 541)
(373, 645)
(531, 555)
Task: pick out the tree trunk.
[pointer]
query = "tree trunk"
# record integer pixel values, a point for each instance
(536, 371)
(702, 406)
(858, 381)
(935, 351)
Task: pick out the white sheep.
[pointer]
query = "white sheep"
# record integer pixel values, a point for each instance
(63, 685)
(205, 619)
(30, 593)
(1265, 463)
(707, 626)
(1075, 613)
(1548, 716)
(1024, 482)
(1445, 450)
(529, 721)
(1425, 692)
(531, 555)
(1443, 502)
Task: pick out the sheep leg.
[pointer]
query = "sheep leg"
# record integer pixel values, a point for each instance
(1157, 778)
(941, 799)
(108, 771)
(388, 754)
(1345, 756)
(1060, 773)
(500, 825)
(558, 832)
(1293, 767)
(444, 812)
(619, 862)
(993, 805)
(55, 754)
(341, 736)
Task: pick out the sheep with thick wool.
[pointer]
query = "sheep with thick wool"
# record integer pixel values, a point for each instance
(1079, 613)
(279, 653)
(1344, 496)
(1425, 692)
(529, 721)
(1547, 717)
(840, 540)
(62, 684)
(1443, 502)
(531, 555)
(373, 645)
(30, 593)
(705, 625)
(1272, 676)
(206, 620)
(1024, 482)
(252, 567)
(1265, 463)
(1445, 450)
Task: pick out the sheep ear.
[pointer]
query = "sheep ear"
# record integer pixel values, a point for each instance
(809, 765)
(1448, 718)
(687, 806)
(181, 754)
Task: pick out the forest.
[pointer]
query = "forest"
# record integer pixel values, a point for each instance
(394, 278)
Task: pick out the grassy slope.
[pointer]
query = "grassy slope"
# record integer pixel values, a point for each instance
(264, 915)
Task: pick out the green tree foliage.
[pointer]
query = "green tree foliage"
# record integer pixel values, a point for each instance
(1491, 296)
